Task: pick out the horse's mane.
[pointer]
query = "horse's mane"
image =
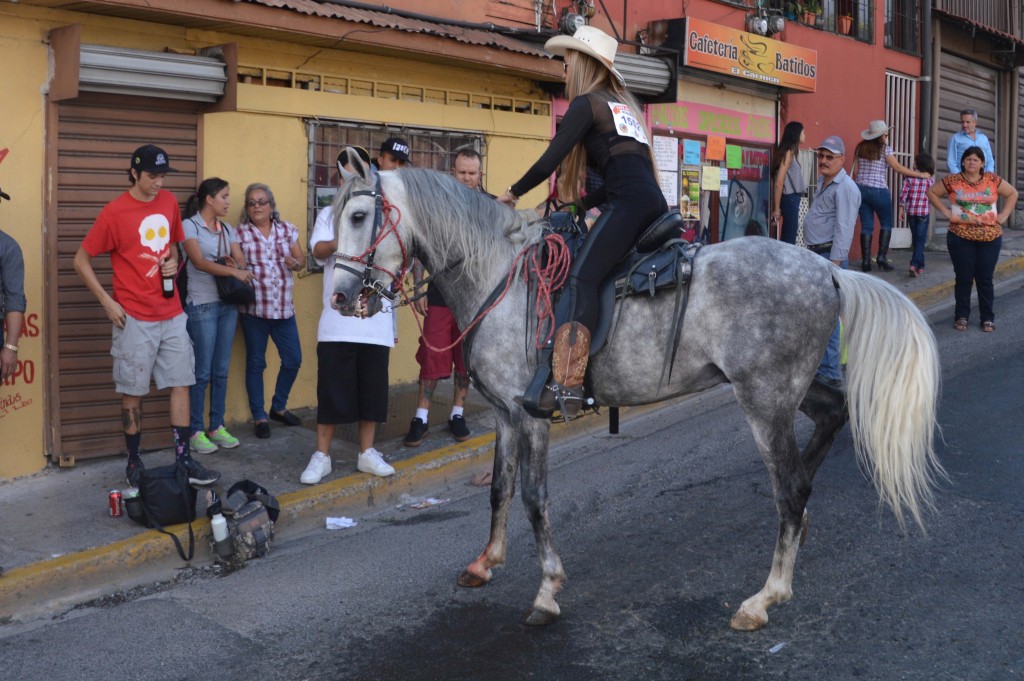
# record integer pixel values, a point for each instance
(462, 221)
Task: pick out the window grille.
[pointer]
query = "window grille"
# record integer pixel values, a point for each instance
(435, 149)
(845, 17)
(903, 25)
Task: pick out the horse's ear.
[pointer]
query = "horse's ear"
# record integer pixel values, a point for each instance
(352, 164)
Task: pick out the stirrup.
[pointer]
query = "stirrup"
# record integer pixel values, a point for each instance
(535, 399)
(570, 402)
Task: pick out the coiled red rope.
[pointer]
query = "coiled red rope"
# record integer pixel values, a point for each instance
(547, 263)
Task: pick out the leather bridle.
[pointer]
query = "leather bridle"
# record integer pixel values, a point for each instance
(383, 225)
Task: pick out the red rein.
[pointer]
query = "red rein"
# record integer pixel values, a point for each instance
(550, 277)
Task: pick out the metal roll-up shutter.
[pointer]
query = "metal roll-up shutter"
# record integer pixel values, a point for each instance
(964, 84)
(96, 135)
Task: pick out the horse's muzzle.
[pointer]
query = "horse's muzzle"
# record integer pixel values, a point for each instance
(361, 306)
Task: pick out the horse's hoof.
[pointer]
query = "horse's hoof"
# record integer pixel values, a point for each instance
(745, 621)
(536, 617)
(470, 580)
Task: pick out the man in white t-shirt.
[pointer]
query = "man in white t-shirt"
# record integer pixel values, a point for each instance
(352, 361)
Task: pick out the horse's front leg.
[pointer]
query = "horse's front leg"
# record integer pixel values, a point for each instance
(535, 497)
(792, 488)
(503, 487)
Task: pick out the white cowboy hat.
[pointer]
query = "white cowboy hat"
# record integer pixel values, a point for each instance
(590, 41)
(875, 130)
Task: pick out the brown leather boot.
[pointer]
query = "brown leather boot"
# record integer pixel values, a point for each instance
(569, 366)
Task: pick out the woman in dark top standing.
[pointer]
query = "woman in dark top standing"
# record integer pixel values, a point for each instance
(789, 183)
(603, 130)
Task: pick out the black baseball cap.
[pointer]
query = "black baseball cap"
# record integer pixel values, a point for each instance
(151, 159)
(397, 147)
(4, 196)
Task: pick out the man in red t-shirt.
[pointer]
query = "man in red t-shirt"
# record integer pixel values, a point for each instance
(150, 342)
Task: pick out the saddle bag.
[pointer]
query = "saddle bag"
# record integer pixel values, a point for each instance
(668, 267)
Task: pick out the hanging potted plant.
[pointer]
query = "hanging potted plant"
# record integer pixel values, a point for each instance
(845, 24)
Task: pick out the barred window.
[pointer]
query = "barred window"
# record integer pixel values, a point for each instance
(903, 25)
(846, 17)
(434, 149)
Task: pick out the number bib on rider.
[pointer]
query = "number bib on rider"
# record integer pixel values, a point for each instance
(626, 123)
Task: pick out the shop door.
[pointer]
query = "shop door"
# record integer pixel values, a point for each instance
(95, 138)
(964, 84)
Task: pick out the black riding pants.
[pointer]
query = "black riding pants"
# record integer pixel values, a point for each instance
(610, 239)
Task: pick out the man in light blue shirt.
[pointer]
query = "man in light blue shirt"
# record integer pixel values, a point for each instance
(829, 223)
(967, 137)
(828, 231)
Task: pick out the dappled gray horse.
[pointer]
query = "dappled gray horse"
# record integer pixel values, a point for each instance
(759, 316)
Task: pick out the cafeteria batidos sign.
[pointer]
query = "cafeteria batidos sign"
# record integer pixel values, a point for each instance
(721, 49)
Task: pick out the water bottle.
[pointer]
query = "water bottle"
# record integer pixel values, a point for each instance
(219, 525)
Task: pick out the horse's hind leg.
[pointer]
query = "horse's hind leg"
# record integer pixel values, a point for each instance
(826, 406)
(503, 484)
(776, 440)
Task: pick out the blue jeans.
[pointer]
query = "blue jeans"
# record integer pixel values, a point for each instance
(919, 231)
(974, 262)
(212, 328)
(790, 207)
(285, 333)
(832, 361)
(875, 201)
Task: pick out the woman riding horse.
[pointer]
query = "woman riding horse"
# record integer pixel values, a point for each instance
(603, 129)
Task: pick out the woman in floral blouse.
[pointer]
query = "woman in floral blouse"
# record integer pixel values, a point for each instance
(975, 231)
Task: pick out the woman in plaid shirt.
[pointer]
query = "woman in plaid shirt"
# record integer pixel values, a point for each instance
(271, 247)
(872, 159)
(914, 206)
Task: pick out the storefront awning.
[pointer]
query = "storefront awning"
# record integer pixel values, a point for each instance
(471, 36)
(1015, 46)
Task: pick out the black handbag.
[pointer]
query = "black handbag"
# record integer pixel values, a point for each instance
(231, 290)
(165, 498)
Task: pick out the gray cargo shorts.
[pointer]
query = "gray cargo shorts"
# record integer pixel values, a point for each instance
(158, 351)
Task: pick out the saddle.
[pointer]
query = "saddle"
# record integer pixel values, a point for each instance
(660, 260)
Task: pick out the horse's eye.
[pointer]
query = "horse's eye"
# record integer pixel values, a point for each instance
(358, 216)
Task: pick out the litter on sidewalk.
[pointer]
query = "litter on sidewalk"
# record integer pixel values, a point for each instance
(406, 501)
(340, 523)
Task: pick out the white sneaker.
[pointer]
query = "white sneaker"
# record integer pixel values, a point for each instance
(319, 466)
(371, 461)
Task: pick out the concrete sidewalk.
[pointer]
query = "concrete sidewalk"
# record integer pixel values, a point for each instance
(60, 547)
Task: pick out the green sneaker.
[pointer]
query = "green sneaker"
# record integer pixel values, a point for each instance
(222, 438)
(201, 444)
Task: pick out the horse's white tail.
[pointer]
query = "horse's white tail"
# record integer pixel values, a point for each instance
(892, 389)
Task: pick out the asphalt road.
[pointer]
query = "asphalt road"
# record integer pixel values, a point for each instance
(663, 530)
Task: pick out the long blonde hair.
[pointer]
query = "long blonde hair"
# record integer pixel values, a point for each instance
(587, 75)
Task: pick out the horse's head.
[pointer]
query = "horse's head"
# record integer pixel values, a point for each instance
(370, 259)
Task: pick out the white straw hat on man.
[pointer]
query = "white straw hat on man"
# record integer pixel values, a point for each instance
(590, 41)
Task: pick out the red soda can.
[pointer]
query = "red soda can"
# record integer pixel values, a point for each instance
(115, 503)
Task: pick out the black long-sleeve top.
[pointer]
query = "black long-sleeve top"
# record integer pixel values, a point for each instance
(590, 118)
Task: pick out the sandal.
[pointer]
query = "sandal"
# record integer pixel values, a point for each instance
(960, 324)
(988, 327)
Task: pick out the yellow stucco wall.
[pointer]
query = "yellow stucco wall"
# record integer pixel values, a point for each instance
(22, 132)
(264, 140)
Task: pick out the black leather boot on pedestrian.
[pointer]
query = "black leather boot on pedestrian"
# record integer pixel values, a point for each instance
(883, 249)
(865, 252)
